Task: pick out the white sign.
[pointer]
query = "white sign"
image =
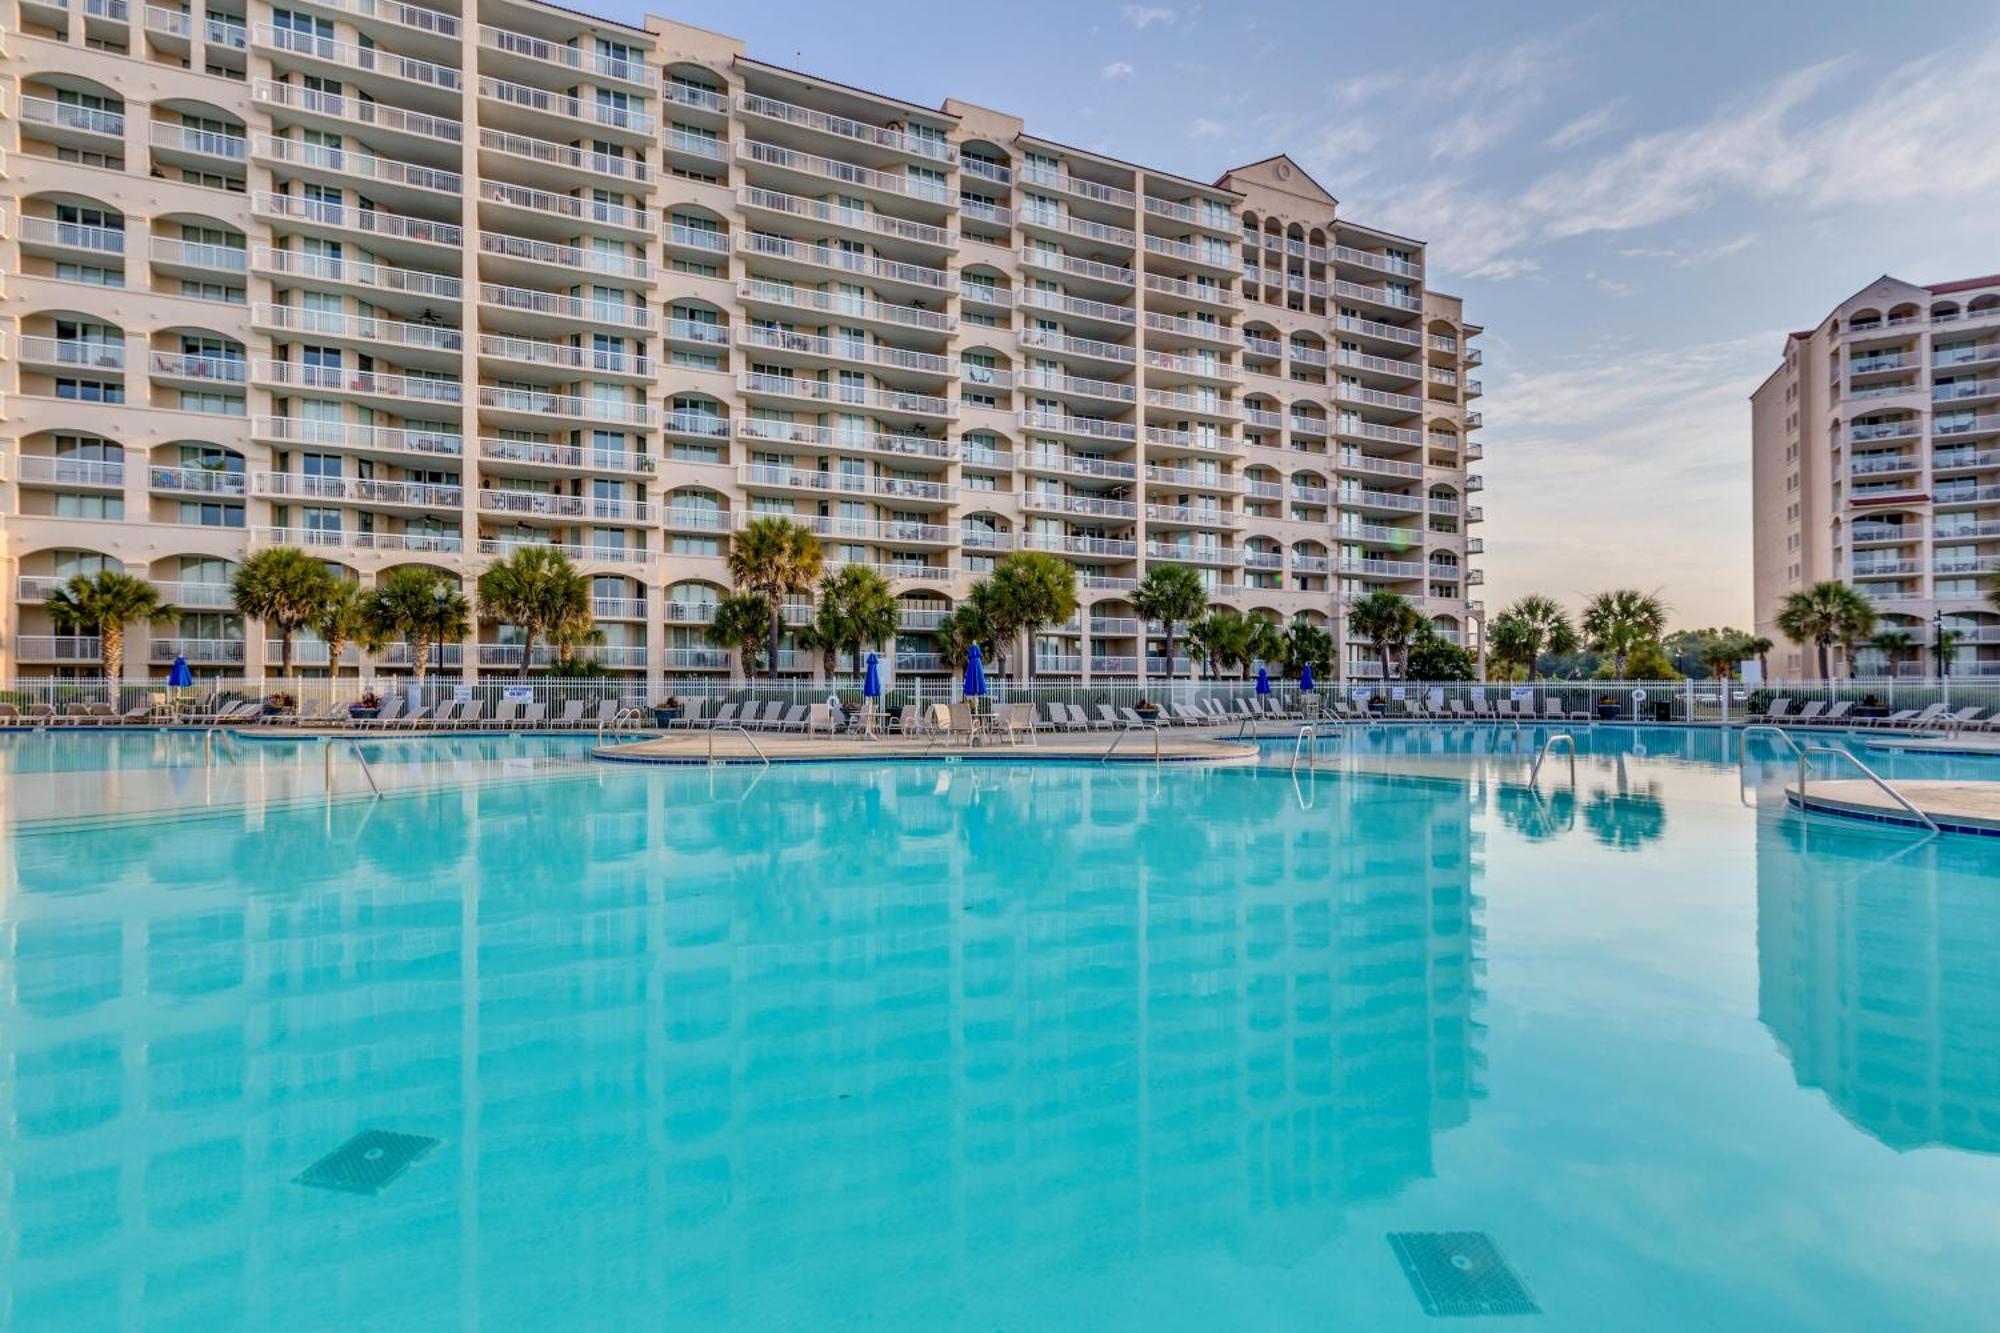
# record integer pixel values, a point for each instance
(1361, 693)
(1523, 694)
(519, 694)
(1478, 695)
(461, 694)
(1397, 692)
(1750, 671)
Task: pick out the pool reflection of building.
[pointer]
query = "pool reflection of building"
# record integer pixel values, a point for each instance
(669, 1067)
(1882, 985)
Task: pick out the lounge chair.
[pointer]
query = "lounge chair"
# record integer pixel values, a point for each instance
(818, 718)
(1106, 719)
(240, 713)
(606, 710)
(725, 716)
(1056, 717)
(469, 716)
(691, 715)
(962, 721)
(795, 718)
(40, 714)
(1482, 710)
(1895, 719)
(907, 722)
(1779, 708)
(392, 709)
(1552, 709)
(507, 712)
(1957, 720)
(1927, 718)
(1015, 720)
(1132, 718)
(534, 715)
(1838, 712)
(1810, 713)
(571, 715)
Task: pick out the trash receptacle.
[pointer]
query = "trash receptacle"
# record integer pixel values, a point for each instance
(1663, 710)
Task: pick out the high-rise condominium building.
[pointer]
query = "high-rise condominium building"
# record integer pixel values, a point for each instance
(405, 285)
(1876, 462)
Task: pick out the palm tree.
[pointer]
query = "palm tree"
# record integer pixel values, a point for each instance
(1223, 638)
(777, 558)
(1619, 621)
(1720, 652)
(1823, 615)
(1892, 644)
(1170, 594)
(1028, 591)
(1306, 644)
(742, 622)
(961, 627)
(284, 588)
(536, 590)
(1761, 648)
(1266, 644)
(342, 619)
(103, 604)
(422, 607)
(856, 610)
(1387, 621)
(1547, 625)
(1512, 641)
(1948, 639)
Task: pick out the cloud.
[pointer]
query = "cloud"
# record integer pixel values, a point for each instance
(1881, 143)
(1204, 128)
(1584, 128)
(1613, 455)
(1117, 69)
(1143, 17)
(1684, 258)
(1609, 286)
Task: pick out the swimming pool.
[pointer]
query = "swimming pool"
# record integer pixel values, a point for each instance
(922, 1046)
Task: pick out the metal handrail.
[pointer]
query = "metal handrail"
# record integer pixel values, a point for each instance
(1309, 736)
(1779, 732)
(367, 770)
(742, 731)
(1129, 728)
(208, 736)
(1867, 772)
(1560, 738)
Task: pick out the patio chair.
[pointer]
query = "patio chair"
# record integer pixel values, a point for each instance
(1838, 711)
(691, 715)
(424, 717)
(507, 712)
(1779, 708)
(606, 710)
(1552, 709)
(1056, 717)
(469, 716)
(392, 708)
(794, 718)
(1482, 710)
(1927, 718)
(1957, 720)
(1811, 712)
(534, 715)
(1015, 721)
(1106, 719)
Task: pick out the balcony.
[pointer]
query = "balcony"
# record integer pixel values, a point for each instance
(42, 470)
(1077, 307)
(195, 481)
(207, 652)
(568, 406)
(357, 490)
(846, 440)
(568, 508)
(395, 543)
(571, 259)
(758, 153)
(1058, 423)
(47, 233)
(323, 214)
(846, 306)
(1089, 349)
(1113, 548)
(207, 259)
(357, 111)
(1056, 179)
(1076, 465)
(851, 219)
(57, 648)
(594, 554)
(361, 383)
(875, 136)
(90, 124)
(851, 350)
(761, 245)
(1055, 502)
(300, 431)
(565, 356)
(73, 353)
(599, 115)
(348, 59)
(197, 369)
(576, 208)
(823, 391)
(596, 66)
(364, 329)
(589, 312)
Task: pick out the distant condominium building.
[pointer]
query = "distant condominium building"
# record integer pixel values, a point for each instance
(400, 285)
(1876, 462)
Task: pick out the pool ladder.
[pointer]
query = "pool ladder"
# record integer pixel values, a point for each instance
(1128, 729)
(1308, 740)
(742, 731)
(1562, 738)
(625, 719)
(1880, 782)
(367, 770)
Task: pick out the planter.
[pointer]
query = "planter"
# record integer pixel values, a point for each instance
(357, 711)
(1148, 714)
(1607, 712)
(663, 716)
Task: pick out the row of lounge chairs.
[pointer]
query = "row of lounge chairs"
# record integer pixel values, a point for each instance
(1934, 717)
(75, 715)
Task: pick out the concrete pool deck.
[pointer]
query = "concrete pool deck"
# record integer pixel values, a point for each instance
(1955, 806)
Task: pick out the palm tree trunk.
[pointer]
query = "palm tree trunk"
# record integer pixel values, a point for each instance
(284, 651)
(1825, 668)
(335, 646)
(527, 648)
(771, 668)
(111, 641)
(1170, 656)
(420, 654)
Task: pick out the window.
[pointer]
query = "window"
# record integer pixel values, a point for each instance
(90, 391)
(90, 274)
(211, 514)
(90, 506)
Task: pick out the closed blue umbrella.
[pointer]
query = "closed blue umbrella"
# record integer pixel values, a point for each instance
(180, 677)
(975, 673)
(1306, 676)
(1263, 680)
(871, 682)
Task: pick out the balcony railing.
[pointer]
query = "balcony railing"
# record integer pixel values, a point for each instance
(73, 235)
(336, 435)
(69, 116)
(770, 108)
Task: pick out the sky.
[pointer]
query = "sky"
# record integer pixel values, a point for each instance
(1637, 202)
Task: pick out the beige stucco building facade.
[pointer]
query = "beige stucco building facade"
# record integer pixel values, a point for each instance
(401, 284)
(1876, 462)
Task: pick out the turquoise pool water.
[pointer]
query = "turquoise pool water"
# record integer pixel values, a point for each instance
(982, 1047)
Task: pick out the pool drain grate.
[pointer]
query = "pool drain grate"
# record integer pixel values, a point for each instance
(366, 1163)
(1460, 1273)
